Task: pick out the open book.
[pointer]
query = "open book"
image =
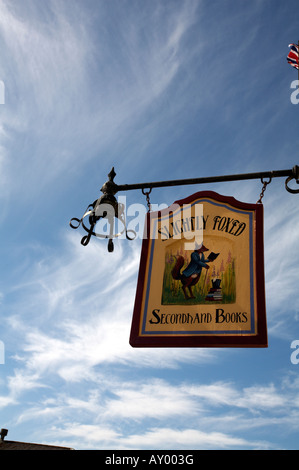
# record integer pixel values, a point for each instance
(212, 256)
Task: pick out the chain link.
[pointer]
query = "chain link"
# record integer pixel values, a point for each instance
(265, 184)
(147, 193)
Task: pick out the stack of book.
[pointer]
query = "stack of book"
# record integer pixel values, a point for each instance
(215, 293)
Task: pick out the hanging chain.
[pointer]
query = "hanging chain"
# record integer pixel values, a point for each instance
(147, 193)
(265, 184)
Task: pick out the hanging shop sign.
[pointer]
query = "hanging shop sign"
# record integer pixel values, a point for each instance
(201, 275)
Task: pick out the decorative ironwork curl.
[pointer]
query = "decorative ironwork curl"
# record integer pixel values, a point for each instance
(295, 176)
(106, 207)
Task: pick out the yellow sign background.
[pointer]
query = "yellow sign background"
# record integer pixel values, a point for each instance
(220, 220)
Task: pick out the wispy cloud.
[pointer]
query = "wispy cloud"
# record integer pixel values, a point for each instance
(187, 439)
(69, 98)
(44, 69)
(152, 414)
(87, 297)
(149, 400)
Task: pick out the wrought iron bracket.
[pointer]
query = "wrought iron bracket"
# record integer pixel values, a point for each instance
(107, 207)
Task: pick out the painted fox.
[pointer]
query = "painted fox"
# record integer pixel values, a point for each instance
(191, 274)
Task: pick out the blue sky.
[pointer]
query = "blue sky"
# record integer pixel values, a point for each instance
(159, 90)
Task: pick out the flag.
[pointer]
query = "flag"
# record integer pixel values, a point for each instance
(292, 57)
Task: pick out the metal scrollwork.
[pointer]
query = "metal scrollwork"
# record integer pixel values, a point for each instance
(106, 207)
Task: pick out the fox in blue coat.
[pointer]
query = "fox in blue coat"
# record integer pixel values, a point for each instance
(191, 274)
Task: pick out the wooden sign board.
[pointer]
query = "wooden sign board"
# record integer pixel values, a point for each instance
(201, 276)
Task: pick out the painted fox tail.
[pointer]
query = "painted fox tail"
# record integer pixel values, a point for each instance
(176, 271)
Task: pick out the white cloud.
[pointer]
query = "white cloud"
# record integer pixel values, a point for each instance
(6, 401)
(73, 312)
(169, 438)
(131, 411)
(21, 382)
(51, 60)
(67, 98)
(252, 398)
(261, 397)
(156, 399)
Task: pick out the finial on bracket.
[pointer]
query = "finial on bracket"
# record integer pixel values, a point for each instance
(110, 188)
